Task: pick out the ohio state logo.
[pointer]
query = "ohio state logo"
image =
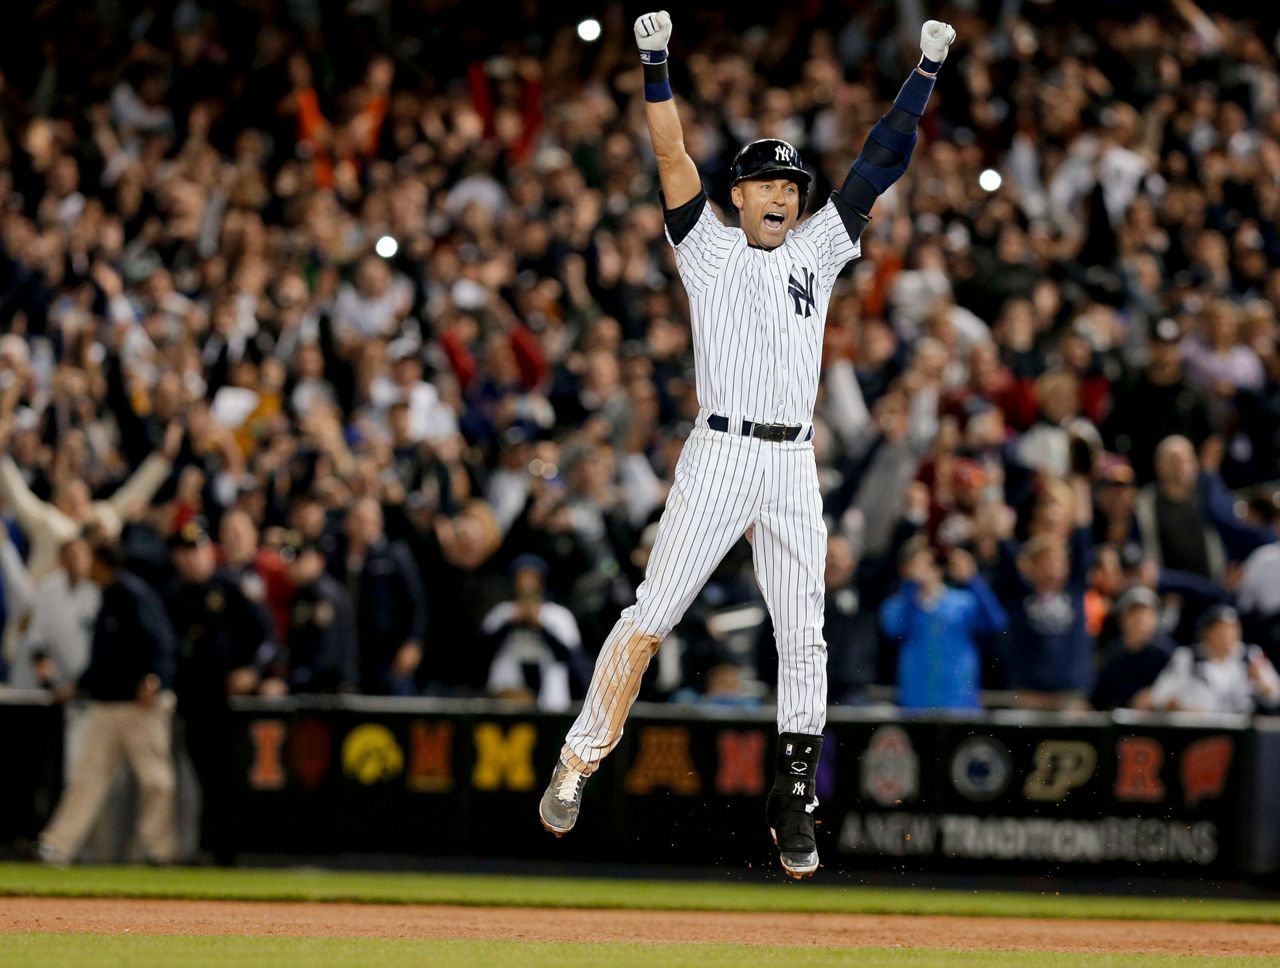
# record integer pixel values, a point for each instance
(890, 767)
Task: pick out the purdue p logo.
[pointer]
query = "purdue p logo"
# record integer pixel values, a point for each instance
(1061, 766)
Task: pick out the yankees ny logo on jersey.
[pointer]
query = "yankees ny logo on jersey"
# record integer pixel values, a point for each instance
(802, 292)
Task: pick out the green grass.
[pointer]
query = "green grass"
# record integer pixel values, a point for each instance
(146, 951)
(490, 890)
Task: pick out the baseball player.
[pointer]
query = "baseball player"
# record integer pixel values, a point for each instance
(758, 298)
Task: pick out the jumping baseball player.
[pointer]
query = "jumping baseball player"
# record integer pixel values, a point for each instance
(758, 298)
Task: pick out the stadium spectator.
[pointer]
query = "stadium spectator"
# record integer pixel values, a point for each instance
(1258, 592)
(1158, 403)
(1050, 653)
(48, 525)
(1220, 675)
(851, 647)
(57, 618)
(259, 571)
(535, 645)
(939, 663)
(1137, 657)
(1187, 519)
(386, 592)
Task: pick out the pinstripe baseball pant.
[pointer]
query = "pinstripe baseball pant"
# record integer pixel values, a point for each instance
(724, 484)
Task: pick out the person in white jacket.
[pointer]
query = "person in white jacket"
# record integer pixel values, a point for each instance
(1220, 675)
(50, 525)
(54, 618)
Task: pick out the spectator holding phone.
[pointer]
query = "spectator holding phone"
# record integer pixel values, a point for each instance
(939, 662)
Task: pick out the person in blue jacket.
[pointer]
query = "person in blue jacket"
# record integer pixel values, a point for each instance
(939, 661)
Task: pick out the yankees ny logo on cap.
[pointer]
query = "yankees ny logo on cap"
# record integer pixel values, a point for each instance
(785, 153)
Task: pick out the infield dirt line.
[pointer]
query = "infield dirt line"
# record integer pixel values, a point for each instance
(314, 919)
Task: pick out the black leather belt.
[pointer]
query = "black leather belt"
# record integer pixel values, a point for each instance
(777, 433)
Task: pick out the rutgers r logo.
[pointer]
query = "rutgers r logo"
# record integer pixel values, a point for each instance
(783, 153)
(802, 292)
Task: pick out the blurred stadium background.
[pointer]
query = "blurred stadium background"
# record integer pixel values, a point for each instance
(350, 331)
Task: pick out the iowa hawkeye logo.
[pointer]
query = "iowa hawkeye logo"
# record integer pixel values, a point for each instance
(802, 292)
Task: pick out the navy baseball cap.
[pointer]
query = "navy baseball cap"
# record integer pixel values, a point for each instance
(1218, 613)
(771, 158)
(1138, 595)
(529, 561)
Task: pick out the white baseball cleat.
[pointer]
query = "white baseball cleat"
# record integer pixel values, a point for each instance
(562, 800)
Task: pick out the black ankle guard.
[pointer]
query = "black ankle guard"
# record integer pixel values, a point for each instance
(796, 770)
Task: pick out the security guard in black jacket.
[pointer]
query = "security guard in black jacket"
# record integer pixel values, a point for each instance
(128, 683)
(224, 641)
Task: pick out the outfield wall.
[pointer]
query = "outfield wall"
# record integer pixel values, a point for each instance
(1011, 791)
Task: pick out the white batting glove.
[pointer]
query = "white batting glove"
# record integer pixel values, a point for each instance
(935, 38)
(653, 32)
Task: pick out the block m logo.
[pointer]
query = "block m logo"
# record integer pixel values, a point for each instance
(504, 759)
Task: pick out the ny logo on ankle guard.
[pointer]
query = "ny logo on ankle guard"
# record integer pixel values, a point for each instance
(797, 790)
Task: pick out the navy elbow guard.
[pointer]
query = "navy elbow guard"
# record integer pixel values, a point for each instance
(887, 151)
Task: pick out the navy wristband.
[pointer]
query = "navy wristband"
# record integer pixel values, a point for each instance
(653, 56)
(657, 92)
(657, 83)
(929, 66)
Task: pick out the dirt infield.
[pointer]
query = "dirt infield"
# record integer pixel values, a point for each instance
(74, 915)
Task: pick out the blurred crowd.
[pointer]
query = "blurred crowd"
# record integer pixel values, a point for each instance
(344, 351)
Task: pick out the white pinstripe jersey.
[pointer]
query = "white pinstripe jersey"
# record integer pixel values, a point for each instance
(758, 314)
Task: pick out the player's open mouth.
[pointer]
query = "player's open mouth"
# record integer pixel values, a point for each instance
(774, 220)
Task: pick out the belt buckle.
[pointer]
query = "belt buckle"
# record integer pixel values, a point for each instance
(774, 433)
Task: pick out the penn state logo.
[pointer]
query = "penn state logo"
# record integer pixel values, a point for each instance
(801, 290)
(981, 768)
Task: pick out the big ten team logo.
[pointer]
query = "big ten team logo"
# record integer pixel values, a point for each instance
(1060, 766)
(981, 768)
(1204, 767)
(310, 751)
(663, 760)
(430, 757)
(370, 754)
(504, 759)
(889, 770)
(1139, 760)
(266, 742)
(308, 743)
(741, 766)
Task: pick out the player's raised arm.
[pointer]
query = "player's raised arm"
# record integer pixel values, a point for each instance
(887, 151)
(676, 170)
